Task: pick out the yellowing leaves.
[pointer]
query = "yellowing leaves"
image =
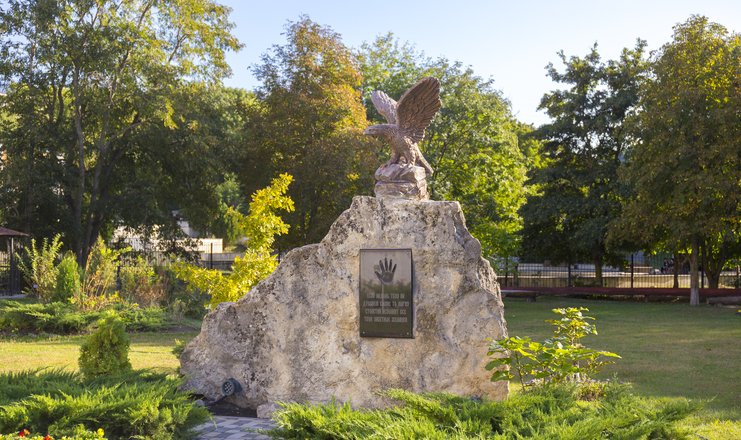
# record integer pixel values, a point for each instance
(260, 226)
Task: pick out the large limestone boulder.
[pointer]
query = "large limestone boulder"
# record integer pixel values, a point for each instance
(295, 336)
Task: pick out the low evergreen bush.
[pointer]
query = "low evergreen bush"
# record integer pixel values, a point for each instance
(134, 405)
(553, 412)
(63, 318)
(106, 350)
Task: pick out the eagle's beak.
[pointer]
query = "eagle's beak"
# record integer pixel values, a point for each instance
(371, 131)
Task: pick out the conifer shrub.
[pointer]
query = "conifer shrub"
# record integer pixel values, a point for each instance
(135, 405)
(63, 318)
(552, 412)
(68, 284)
(106, 350)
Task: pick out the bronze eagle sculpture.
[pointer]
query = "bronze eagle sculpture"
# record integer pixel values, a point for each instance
(407, 120)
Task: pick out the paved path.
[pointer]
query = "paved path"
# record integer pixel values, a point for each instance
(234, 428)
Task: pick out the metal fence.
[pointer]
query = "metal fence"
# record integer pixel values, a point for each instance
(220, 261)
(10, 276)
(640, 271)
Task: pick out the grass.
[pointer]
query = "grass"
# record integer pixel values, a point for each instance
(668, 350)
(148, 351)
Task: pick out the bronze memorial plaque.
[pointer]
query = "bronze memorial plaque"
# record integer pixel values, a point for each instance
(386, 302)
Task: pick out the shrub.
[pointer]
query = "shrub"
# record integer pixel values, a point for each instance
(99, 277)
(553, 412)
(64, 318)
(134, 405)
(261, 226)
(79, 434)
(39, 269)
(140, 284)
(56, 317)
(558, 359)
(106, 350)
(68, 279)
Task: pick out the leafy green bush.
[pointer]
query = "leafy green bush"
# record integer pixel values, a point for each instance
(64, 318)
(260, 227)
(106, 350)
(68, 283)
(558, 359)
(553, 412)
(135, 405)
(140, 283)
(99, 278)
(38, 266)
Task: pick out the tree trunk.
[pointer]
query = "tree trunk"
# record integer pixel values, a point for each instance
(713, 262)
(694, 274)
(598, 270)
(676, 270)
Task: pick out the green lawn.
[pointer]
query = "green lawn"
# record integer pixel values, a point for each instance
(668, 350)
(148, 350)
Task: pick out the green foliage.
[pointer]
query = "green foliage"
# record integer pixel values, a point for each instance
(576, 194)
(477, 148)
(140, 283)
(79, 433)
(133, 405)
(308, 121)
(99, 277)
(56, 317)
(106, 350)
(179, 348)
(558, 359)
(230, 199)
(64, 318)
(685, 174)
(260, 227)
(548, 413)
(38, 266)
(108, 70)
(68, 284)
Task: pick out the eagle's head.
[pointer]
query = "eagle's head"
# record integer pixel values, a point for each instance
(380, 130)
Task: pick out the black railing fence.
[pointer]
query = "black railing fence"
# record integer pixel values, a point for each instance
(10, 276)
(638, 271)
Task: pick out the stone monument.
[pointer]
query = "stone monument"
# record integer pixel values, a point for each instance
(396, 295)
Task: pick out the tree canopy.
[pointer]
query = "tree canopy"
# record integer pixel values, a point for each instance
(82, 78)
(473, 142)
(686, 172)
(308, 122)
(578, 191)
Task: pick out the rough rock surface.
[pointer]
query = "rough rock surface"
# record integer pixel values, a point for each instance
(295, 336)
(401, 181)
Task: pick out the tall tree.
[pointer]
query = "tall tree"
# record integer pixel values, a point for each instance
(472, 143)
(308, 122)
(584, 146)
(83, 76)
(686, 173)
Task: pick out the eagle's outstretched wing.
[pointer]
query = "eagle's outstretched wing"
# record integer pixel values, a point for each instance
(417, 107)
(385, 106)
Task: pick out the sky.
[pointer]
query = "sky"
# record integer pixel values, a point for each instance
(508, 41)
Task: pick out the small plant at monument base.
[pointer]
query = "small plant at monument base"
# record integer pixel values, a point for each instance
(106, 350)
(562, 358)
